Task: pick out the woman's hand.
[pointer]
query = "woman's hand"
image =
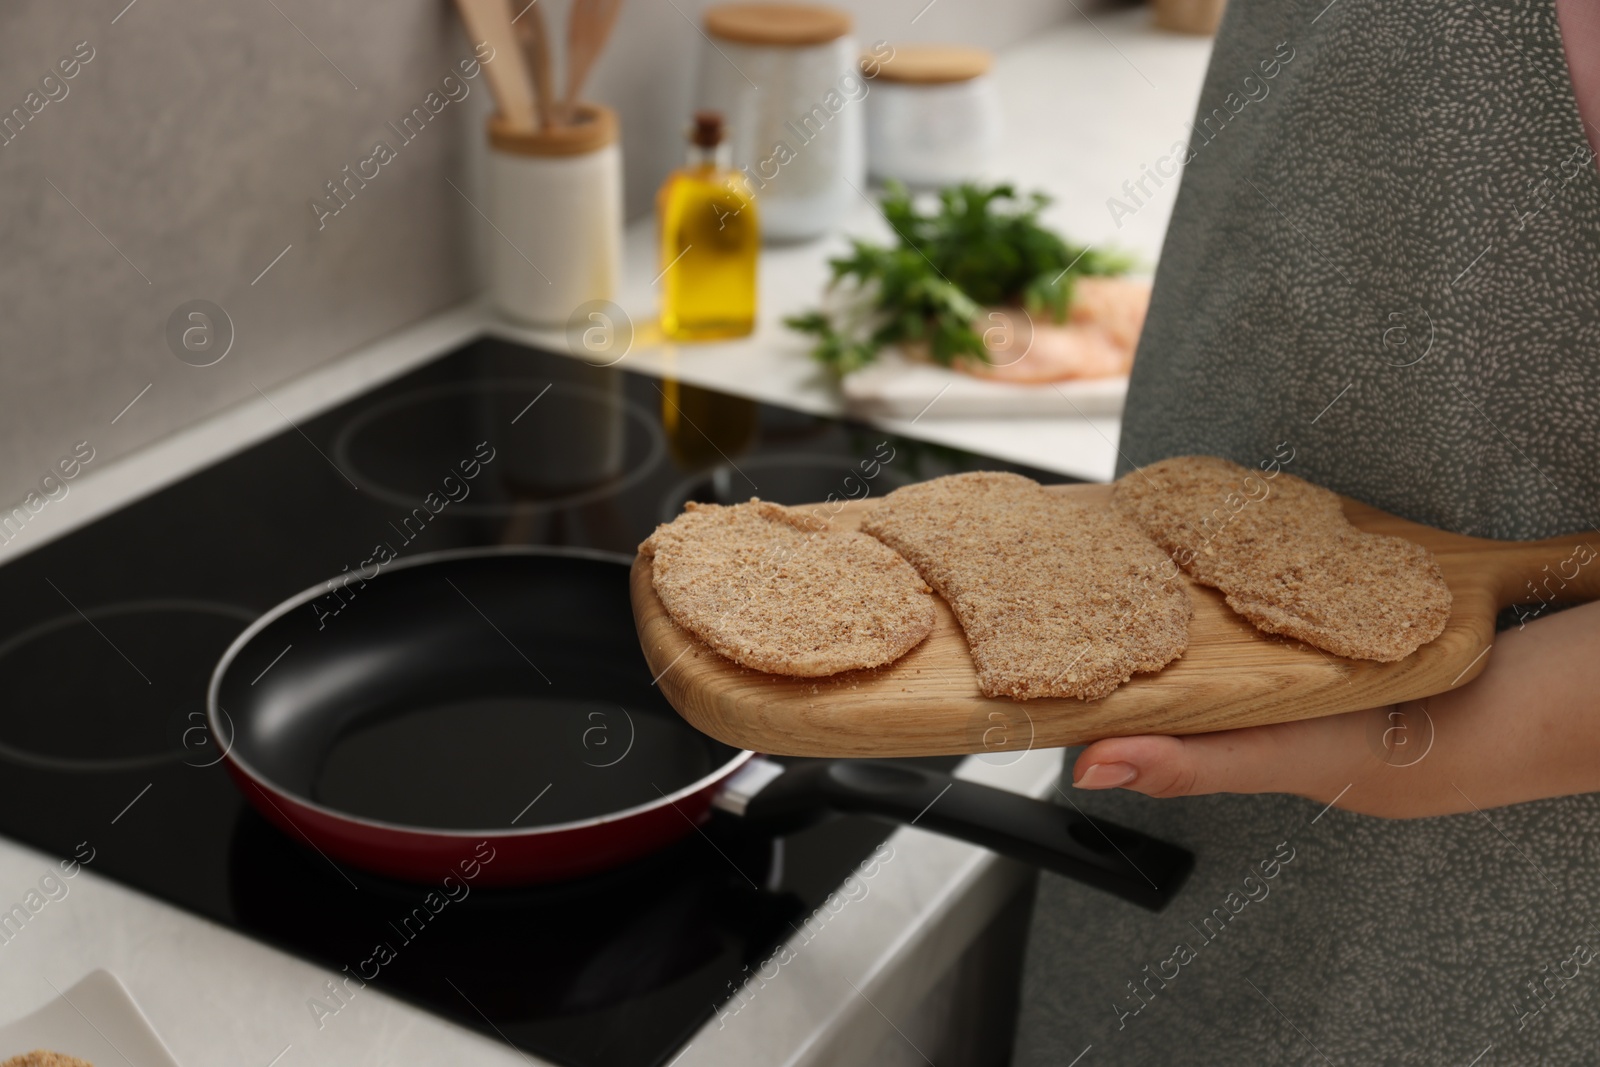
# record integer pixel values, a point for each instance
(1527, 727)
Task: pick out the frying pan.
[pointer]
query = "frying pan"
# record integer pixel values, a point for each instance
(488, 711)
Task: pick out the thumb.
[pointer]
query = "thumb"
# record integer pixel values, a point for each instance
(1295, 757)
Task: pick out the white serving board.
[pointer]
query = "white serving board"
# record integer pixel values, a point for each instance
(95, 1020)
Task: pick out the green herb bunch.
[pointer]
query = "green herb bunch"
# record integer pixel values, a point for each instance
(983, 246)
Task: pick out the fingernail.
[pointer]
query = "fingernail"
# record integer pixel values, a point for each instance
(1106, 776)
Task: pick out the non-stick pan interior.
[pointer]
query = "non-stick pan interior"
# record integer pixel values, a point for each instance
(477, 691)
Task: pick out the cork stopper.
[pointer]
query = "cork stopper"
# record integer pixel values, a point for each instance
(707, 131)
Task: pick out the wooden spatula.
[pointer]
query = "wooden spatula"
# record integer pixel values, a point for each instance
(509, 80)
(1233, 675)
(588, 26)
(534, 36)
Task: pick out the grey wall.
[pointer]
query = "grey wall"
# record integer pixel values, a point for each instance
(194, 140)
(190, 146)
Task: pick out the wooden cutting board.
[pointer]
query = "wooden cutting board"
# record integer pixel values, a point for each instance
(927, 702)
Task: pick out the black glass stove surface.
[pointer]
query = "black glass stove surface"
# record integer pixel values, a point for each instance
(109, 636)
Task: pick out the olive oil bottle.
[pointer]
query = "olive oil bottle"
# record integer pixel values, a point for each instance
(710, 240)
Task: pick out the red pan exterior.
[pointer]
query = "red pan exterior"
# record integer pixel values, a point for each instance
(501, 858)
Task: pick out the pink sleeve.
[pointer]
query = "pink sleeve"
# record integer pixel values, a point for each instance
(1580, 36)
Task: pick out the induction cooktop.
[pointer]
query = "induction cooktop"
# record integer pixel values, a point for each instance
(108, 637)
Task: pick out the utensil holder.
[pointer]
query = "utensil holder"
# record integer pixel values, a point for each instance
(555, 198)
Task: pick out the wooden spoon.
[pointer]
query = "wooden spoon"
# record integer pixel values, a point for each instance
(535, 38)
(927, 703)
(490, 21)
(588, 27)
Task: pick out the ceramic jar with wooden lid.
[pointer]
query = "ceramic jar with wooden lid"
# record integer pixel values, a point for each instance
(554, 199)
(933, 117)
(785, 78)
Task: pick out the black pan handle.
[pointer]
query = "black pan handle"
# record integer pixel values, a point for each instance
(1120, 861)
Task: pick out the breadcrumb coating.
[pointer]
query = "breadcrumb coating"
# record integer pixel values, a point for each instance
(1057, 599)
(775, 589)
(1285, 557)
(44, 1058)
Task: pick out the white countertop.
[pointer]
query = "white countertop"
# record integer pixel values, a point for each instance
(1083, 116)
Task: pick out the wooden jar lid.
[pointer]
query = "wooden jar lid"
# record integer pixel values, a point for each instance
(931, 64)
(593, 127)
(780, 25)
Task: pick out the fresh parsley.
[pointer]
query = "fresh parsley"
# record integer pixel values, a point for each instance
(982, 246)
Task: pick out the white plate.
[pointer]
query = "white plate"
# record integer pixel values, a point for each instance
(95, 1020)
(894, 387)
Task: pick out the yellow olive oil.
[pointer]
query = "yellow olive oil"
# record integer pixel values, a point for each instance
(710, 241)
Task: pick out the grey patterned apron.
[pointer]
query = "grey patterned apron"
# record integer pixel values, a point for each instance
(1383, 262)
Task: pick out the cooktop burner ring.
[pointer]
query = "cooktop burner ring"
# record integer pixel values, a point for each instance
(182, 742)
(636, 423)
